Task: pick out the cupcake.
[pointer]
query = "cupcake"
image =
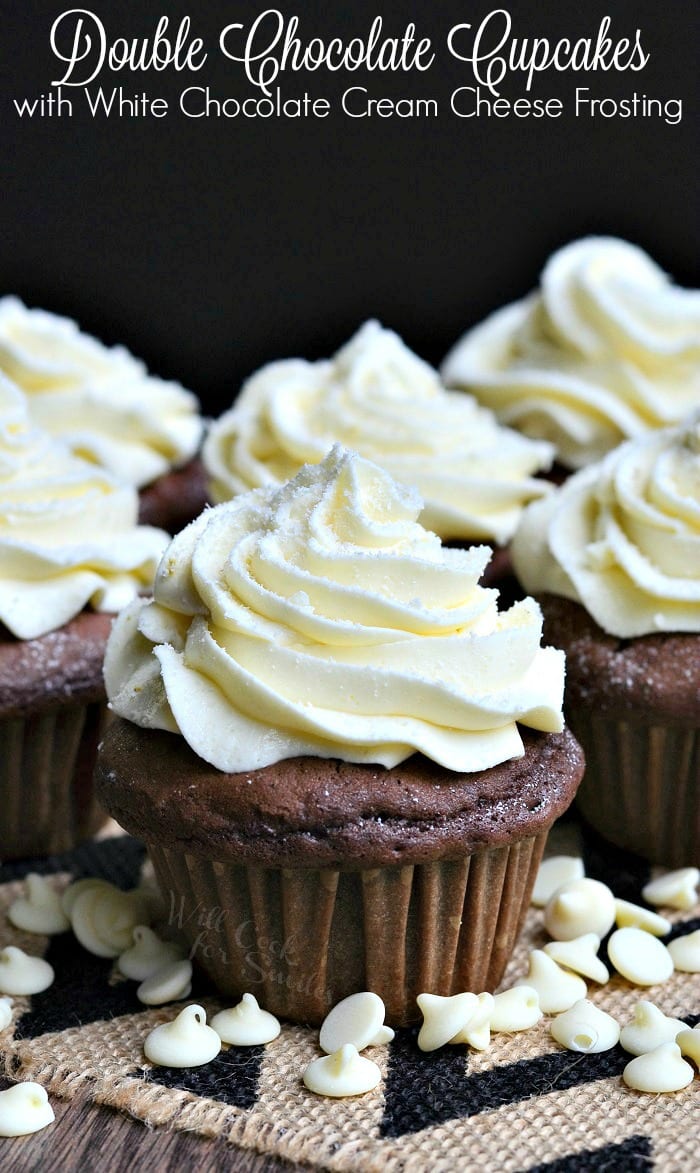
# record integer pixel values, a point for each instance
(106, 407)
(70, 555)
(607, 349)
(614, 557)
(320, 746)
(388, 405)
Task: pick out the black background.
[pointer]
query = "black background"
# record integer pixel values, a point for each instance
(210, 246)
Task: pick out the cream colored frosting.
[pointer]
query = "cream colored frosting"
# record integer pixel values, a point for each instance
(68, 532)
(381, 400)
(623, 537)
(100, 400)
(607, 349)
(320, 618)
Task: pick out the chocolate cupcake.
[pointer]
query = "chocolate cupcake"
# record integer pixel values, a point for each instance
(388, 405)
(614, 558)
(108, 409)
(351, 803)
(69, 545)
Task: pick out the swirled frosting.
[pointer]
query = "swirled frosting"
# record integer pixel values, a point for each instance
(320, 618)
(100, 401)
(68, 532)
(607, 349)
(382, 401)
(623, 537)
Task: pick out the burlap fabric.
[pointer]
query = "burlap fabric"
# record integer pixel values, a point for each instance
(525, 1104)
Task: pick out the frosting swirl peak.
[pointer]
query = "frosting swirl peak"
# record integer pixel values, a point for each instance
(381, 400)
(321, 618)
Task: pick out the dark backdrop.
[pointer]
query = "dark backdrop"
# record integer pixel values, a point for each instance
(211, 246)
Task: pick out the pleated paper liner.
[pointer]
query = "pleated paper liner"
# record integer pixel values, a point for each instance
(301, 939)
(641, 788)
(46, 786)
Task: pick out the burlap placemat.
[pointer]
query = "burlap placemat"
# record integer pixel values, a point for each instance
(525, 1104)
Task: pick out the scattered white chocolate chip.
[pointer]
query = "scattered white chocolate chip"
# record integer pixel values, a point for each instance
(639, 957)
(40, 911)
(5, 1012)
(585, 1028)
(104, 918)
(579, 907)
(689, 1042)
(633, 916)
(358, 1019)
(24, 1108)
(344, 1073)
(443, 1018)
(21, 973)
(661, 1070)
(674, 889)
(556, 989)
(553, 872)
(172, 983)
(148, 954)
(685, 952)
(187, 1041)
(477, 1031)
(246, 1025)
(516, 1009)
(649, 1028)
(74, 890)
(580, 955)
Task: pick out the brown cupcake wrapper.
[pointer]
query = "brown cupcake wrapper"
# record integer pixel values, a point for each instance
(47, 762)
(641, 788)
(302, 939)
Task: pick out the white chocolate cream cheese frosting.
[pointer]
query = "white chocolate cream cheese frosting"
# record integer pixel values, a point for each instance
(623, 537)
(320, 618)
(99, 400)
(378, 398)
(68, 532)
(607, 349)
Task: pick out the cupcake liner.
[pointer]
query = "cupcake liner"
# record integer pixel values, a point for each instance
(46, 787)
(302, 939)
(641, 788)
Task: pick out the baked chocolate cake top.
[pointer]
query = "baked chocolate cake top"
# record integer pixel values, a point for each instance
(316, 812)
(59, 668)
(175, 498)
(652, 677)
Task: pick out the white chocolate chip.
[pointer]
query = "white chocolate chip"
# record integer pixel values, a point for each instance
(24, 1108)
(639, 957)
(516, 1009)
(104, 918)
(674, 889)
(661, 1070)
(5, 1012)
(477, 1032)
(553, 872)
(148, 954)
(556, 989)
(74, 890)
(172, 983)
(689, 1043)
(246, 1025)
(187, 1041)
(40, 911)
(344, 1073)
(633, 916)
(685, 952)
(358, 1019)
(579, 907)
(20, 973)
(443, 1018)
(585, 1028)
(649, 1029)
(580, 955)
